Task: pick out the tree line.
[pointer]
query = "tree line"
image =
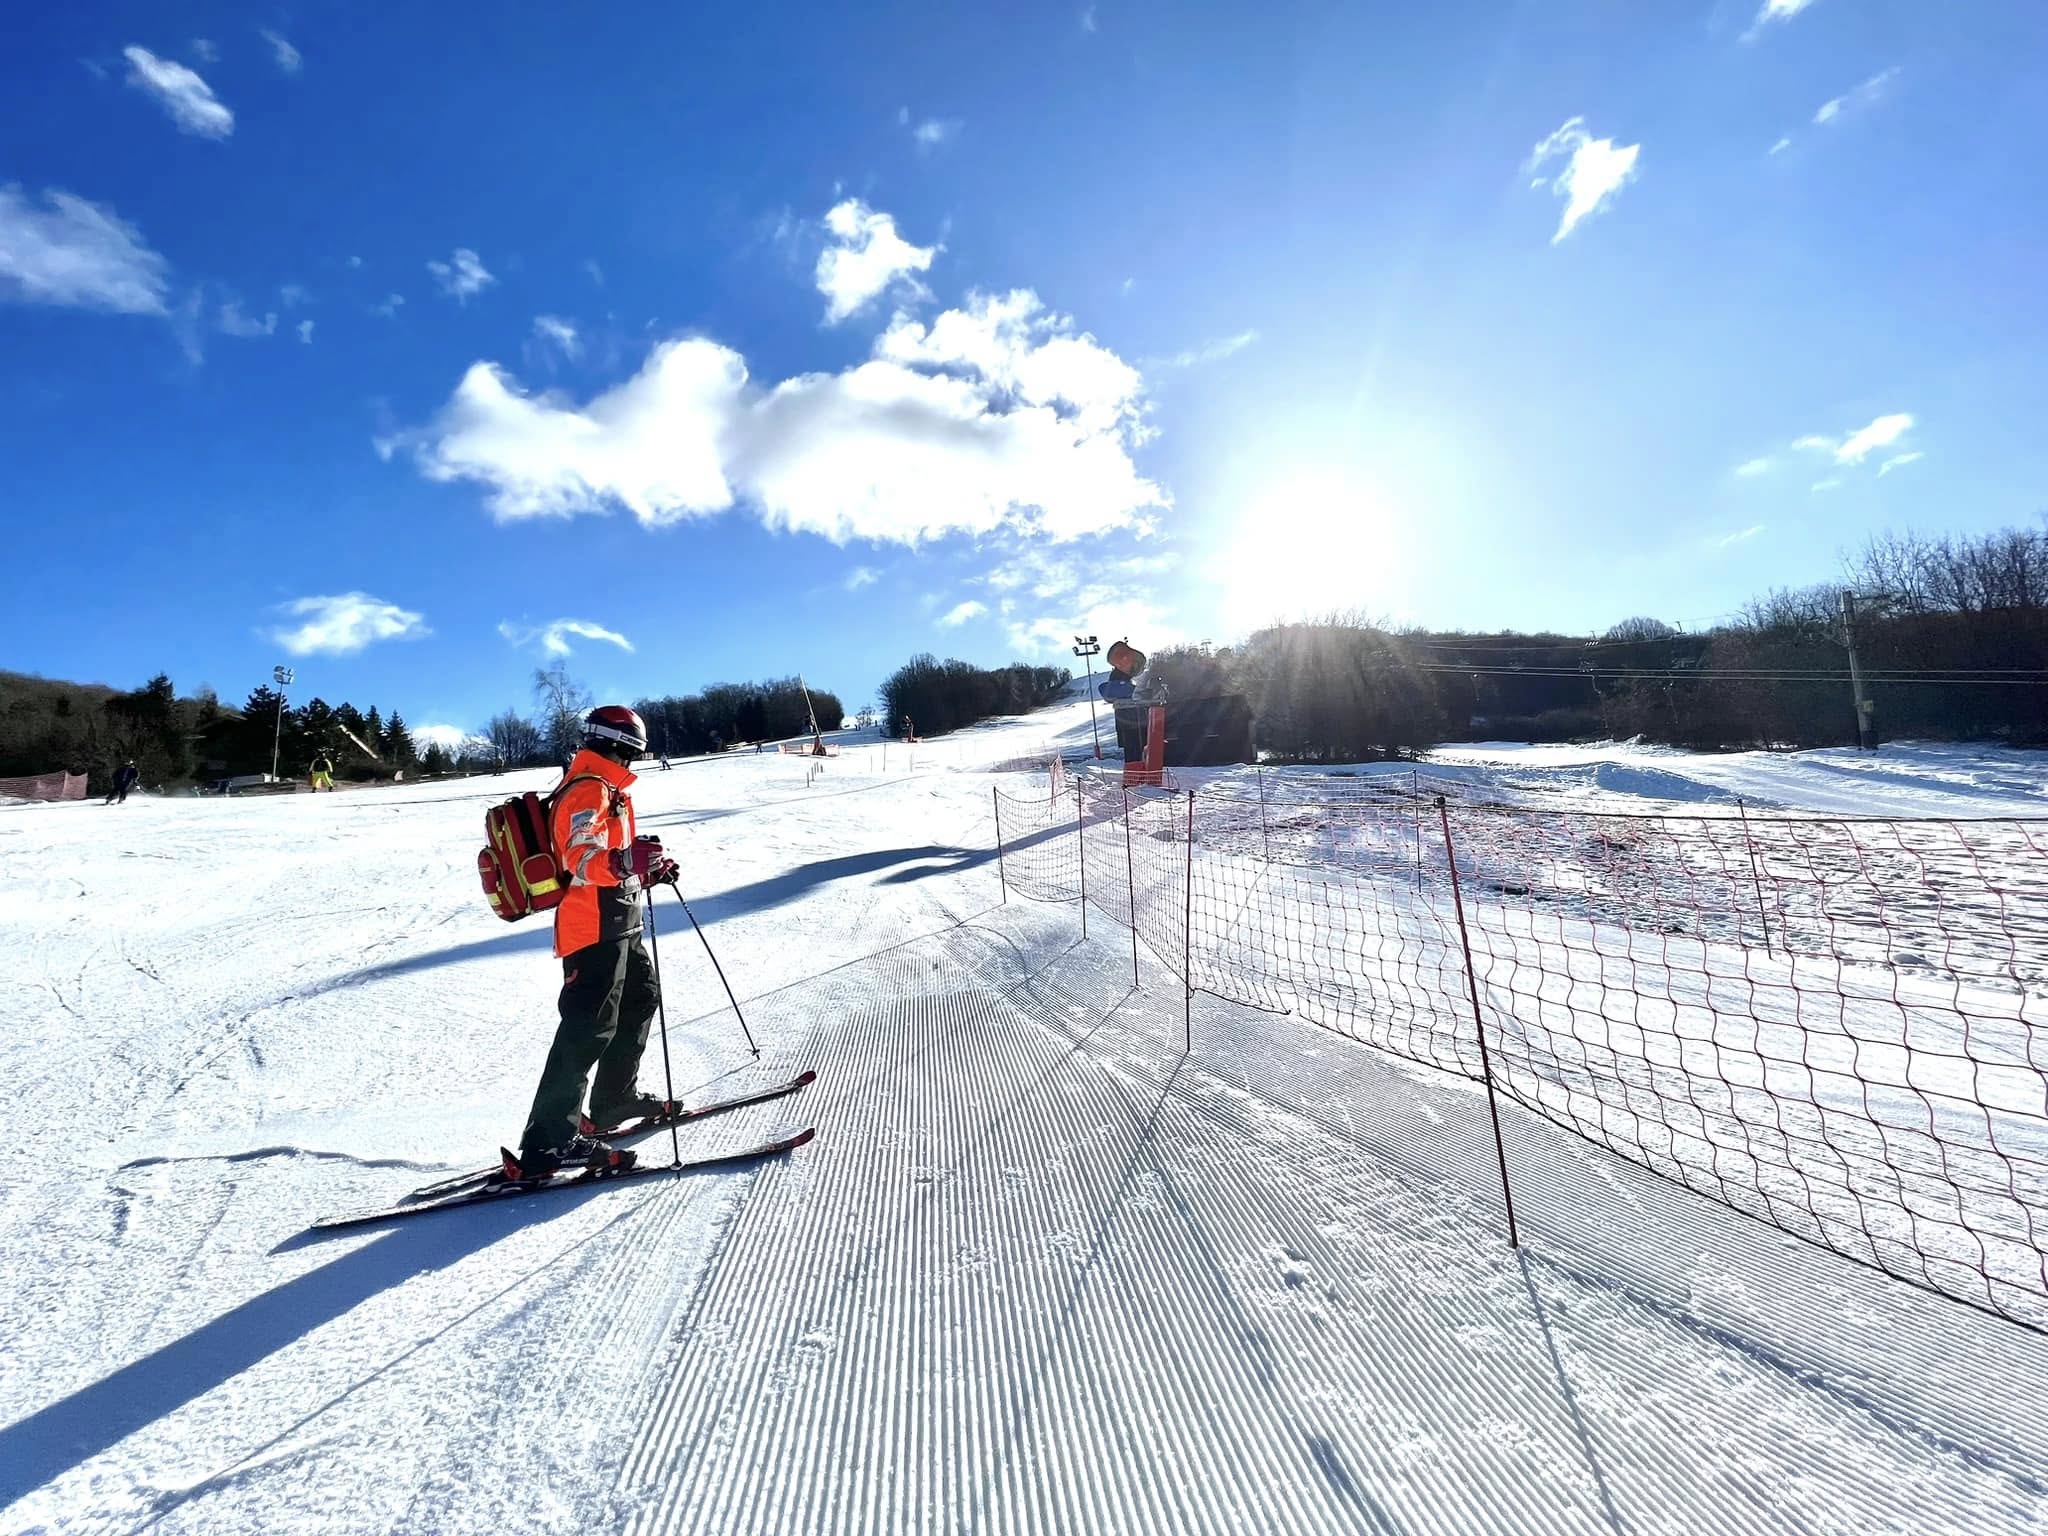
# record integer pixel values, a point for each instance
(47, 725)
(938, 696)
(1946, 631)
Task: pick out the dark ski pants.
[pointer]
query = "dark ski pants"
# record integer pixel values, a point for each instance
(608, 1000)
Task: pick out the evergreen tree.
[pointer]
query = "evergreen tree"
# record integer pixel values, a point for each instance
(398, 743)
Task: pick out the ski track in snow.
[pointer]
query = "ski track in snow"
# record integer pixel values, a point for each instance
(1039, 1272)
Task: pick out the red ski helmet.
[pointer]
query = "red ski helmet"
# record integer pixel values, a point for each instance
(615, 722)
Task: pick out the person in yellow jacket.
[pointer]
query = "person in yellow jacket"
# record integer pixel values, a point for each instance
(322, 775)
(609, 990)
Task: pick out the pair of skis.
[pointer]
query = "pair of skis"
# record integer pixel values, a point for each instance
(488, 1184)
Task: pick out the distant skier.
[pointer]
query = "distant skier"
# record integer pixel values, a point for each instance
(609, 991)
(125, 778)
(322, 774)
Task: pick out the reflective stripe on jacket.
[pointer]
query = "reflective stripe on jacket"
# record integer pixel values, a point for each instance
(592, 816)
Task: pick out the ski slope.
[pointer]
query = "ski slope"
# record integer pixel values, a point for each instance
(1039, 1272)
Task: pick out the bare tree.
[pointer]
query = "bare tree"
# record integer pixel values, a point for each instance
(563, 704)
(1640, 628)
(514, 739)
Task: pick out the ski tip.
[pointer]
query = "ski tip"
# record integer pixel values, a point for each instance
(806, 1077)
(791, 1143)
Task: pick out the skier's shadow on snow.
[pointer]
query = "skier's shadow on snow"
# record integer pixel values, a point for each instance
(47, 1444)
(919, 863)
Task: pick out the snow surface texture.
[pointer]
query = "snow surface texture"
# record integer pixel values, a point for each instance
(1039, 1272)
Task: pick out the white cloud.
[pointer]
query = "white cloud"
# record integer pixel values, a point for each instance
(287, 57)
(306, 332)
(864, 257)
(1088, 18)
(1208, 352)
(1898, 461)
(593, 271)
(205, 50)
(343, 625)
(557, 332)
(292, 295)
(931, 132)
(1859, 445)
(996, 416)
(233, 322)
(554, 637)
(1774, 11)
(187, 98)
(1754, 467)
(462, 275)
(861, 576)
(1595, 171)
(1741, 536)
(392, 304)
(1869, 93)
(448, 738)
(1012, 343)
(1827, 485)
(75, 254)
(1781, 146)
(960, 613)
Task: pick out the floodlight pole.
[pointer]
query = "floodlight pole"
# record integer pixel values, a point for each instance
(285, 677)
(1086, 648)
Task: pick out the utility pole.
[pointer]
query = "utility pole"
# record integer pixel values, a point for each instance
(1086, 648)
(1866, 726)
(285, 677)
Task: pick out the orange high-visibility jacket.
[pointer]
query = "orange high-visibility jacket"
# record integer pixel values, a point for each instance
(592, 816)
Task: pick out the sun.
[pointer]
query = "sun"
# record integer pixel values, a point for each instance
(1313, 543)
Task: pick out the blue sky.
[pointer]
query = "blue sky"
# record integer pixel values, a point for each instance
(413, 347)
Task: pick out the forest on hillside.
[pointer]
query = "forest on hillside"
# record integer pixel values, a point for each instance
(1951, 636)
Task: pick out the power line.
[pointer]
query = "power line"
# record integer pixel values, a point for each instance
(1898, 677)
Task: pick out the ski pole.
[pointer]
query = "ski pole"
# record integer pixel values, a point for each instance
(668, 1082)
(736, 1013)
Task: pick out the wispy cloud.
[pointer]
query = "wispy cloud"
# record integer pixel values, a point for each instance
(1869, 93)
(1740, 536)
(205, 50)
(864, 256)
(1898, 461)
(1754, 467)
(1857, 446)
(1208, 352)
(393, 303)
(74, 254)
(960, 613)
(861, 576)
(306, 332)
(1774, 11)
(233, 321)
(180, 92)
(462, 276)
(344, 624)
(1781, 146)
(287, 58)
(998, 414)
(556, 332)
(593, 271)
(1088, 18)
(1831, 484)
(553, 638)
(1595, 171)
(930, 132)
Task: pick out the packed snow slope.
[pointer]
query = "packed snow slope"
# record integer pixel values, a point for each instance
(1040, 1271)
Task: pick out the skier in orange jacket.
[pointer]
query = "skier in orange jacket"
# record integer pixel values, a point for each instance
(609, 990)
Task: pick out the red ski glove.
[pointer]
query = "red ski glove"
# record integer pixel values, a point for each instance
(645, 862)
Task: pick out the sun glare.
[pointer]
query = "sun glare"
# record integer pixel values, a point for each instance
(1314, 543)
